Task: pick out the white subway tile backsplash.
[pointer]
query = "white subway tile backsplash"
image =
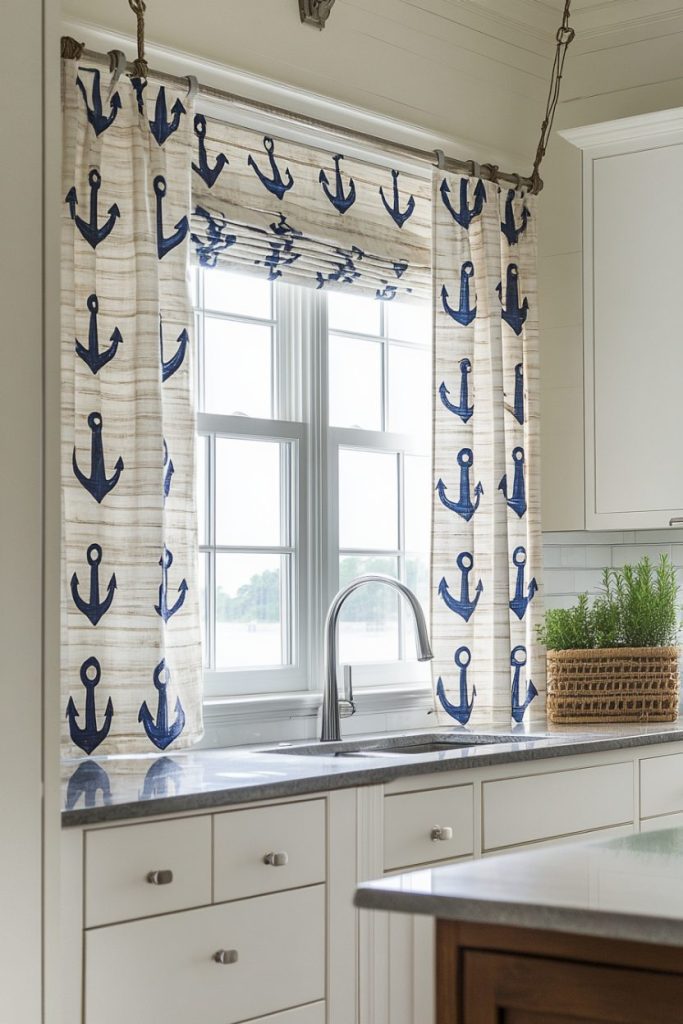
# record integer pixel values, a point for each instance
(588, 580)
(628, 554)
(559, 581)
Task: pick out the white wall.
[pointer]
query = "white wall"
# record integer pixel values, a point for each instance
(628, 72)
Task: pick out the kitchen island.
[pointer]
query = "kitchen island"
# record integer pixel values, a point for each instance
(586, 932)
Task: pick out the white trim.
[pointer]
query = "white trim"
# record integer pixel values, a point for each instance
(663, 127)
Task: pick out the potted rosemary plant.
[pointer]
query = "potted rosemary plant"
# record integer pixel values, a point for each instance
(615, 658)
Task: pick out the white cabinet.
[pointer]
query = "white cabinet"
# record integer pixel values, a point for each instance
(428, 826)
(633, 350)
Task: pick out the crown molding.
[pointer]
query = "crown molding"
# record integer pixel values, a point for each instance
(663, 127)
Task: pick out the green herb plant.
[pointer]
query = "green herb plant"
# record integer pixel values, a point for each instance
(637, 606)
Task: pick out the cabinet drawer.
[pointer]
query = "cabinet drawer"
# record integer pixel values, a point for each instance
(118, 862)
(163, 969)
(313, 1013)
(243, 839)
(410, 818)
(661, 785)
(556, 804)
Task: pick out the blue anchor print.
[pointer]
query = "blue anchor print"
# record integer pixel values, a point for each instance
(346, 272)
(464, 216)
(161, 127)
(281, 254)
(98, 119)
(463, 315)
(400, 267)
(161, 733)
(89, 737)
(520, 602)
(518, 661)
(277, 184)
(341, 202)
(517, 501)
(92, 355)
(513, 314)
(460, 712)
(465, 508)
(97, 483)
(162, 609)
(90, 231)
(387, 292)
(168, 472)
(160, 773)
(218, 239)
(518, 410)
(464, 607)
(509, 226)
(93, 609)
(208, 174)
(139, 85)
(87, 781)
(463, 410)
(282, 227)
(165, 245)
(394, 210)
(173, 364)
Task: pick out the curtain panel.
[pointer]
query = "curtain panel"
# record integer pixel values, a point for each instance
(131, 644)
(486, 524)
(298, 214)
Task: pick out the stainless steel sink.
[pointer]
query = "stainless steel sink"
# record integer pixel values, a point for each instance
(402, 745)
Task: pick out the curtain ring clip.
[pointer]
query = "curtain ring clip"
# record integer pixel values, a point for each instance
(118, 62)
(192, 87)
(440, 159)
(474, 169)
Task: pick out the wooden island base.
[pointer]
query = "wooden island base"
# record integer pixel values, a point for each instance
(488, 974)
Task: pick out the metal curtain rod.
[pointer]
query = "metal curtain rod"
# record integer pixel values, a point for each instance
(435, 158)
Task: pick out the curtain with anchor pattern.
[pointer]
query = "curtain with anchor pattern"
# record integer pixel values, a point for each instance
(299, 214)
(131, 650)
(486, 527)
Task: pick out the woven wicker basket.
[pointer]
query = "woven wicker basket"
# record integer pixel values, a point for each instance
(625, 684)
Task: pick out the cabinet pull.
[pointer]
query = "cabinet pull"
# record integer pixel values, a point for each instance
(160, 877)
(276, 860)
(226, 956)
(441, 834)
(676, 521)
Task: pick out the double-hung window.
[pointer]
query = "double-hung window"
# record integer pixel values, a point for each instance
(313, 468)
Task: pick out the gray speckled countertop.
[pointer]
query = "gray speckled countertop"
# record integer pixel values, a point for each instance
(117, 788)
(628, 888)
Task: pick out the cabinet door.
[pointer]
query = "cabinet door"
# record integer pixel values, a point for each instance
(506, 989)
(634, 358)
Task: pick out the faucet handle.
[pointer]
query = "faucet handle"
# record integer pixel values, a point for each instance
(347, 705)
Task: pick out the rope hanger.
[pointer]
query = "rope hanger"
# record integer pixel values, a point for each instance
(73, 50)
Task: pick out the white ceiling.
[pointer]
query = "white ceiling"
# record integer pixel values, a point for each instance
(589, 17)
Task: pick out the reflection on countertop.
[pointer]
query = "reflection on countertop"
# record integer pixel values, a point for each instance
(622, 888)
(135, 786)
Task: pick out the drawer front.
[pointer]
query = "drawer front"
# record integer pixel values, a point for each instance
(662, 822)
(536, 807)
(411, 818)
(292, 836)
(163, 969)
(118, 862)
(313, 1013)
(661, 785)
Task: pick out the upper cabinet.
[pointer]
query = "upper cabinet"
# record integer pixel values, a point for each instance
(633, 327)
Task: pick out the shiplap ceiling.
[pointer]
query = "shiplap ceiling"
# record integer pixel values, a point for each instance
(589, 17)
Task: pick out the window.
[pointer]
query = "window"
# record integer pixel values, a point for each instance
(313, 467)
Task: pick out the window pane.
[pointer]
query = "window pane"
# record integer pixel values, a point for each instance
(248, 512)
(408, 321)
(368, 624)
(203, 593)
(418, 503)
(355, 383)
(239, 294)
(202, 478)
(410, 391)
(249, 610)
(417, 578)
(237, 368)
(347, 312)
(368, 500)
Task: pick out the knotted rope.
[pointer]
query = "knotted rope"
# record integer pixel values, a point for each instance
(140, 68)
(564, 36)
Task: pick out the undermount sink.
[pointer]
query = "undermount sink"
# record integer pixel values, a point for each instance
(400, 746)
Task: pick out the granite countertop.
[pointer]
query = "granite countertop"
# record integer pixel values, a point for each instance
(624, 888)
(126, 787)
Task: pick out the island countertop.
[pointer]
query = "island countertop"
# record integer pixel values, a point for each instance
(628, 888)
(117, 788)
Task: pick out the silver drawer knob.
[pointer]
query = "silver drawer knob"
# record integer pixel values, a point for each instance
(441, 834)
(160, 877)
(276, 860)
(226, 956)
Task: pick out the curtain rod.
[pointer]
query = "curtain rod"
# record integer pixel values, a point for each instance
(435, 158)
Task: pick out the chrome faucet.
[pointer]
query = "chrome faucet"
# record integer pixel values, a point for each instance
(331, 725)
